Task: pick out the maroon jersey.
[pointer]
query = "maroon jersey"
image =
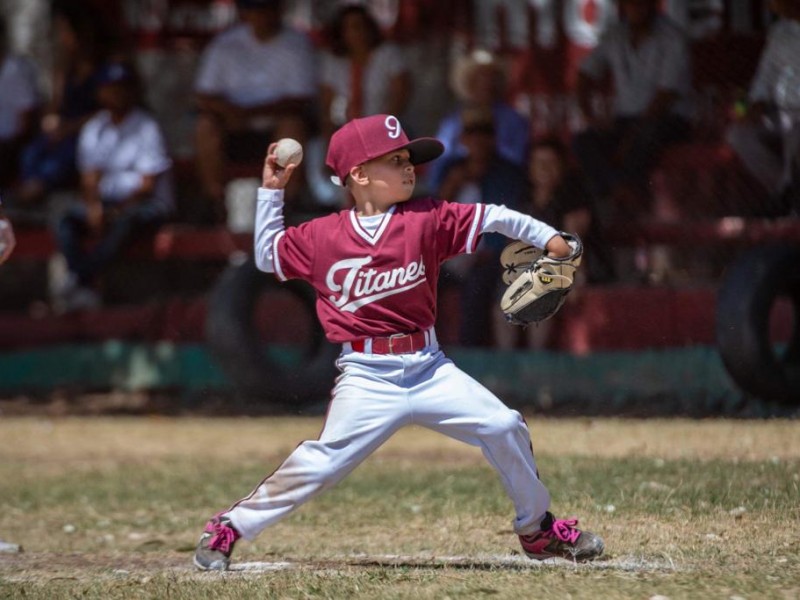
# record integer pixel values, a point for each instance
(370, 286)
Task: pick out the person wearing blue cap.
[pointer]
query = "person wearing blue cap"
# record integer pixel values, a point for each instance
(126, 187)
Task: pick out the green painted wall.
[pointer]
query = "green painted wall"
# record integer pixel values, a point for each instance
(688, 379)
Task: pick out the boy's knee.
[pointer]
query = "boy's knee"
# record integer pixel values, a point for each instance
(321, 463)
(504, 423)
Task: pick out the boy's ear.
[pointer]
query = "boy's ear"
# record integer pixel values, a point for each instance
(358, 175)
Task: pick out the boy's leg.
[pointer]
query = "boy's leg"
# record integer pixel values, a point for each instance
(453, 403)
(448, 400)
(363, 413)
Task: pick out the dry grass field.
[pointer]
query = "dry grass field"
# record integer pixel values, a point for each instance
(112, 508)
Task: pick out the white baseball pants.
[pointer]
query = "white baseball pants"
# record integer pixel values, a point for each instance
(375, 396)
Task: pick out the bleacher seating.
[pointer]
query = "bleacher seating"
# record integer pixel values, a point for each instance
(700, 180)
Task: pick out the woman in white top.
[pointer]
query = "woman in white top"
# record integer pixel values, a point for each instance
(362, 74)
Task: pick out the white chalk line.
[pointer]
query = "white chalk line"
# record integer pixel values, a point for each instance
(184, 569)
(627, 563)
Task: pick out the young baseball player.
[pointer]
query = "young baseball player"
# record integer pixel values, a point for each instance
(374, 268)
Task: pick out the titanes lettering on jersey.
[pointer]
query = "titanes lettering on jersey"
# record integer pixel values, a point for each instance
(362, 286)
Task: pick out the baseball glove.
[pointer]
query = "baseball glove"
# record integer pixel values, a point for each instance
(537, 284)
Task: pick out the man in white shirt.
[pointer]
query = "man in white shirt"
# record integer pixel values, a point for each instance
(126, 187)
(19, 102)
(256, 82)
(647, 57)
(767, 138)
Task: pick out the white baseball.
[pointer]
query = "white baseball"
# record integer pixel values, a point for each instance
(288, 152)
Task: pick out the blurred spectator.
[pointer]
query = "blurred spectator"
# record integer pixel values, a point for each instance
(767, 138)
(7, 240)
(19, 104)
(480, 175)
(81, 46)
(501, 24)
(125, 183)
(647, 57)
(361, 73)
(256, 82)
(479, 82)
(558, 195)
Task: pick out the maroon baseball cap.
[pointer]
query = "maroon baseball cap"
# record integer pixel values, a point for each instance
(360, 140)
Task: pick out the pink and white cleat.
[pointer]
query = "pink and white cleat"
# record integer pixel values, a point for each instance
(561, 538)
(214, 549)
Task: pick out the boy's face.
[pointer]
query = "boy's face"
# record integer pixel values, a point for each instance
(391, 176)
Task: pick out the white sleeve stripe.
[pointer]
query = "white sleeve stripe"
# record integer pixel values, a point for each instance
(477, 219)
(276, 262)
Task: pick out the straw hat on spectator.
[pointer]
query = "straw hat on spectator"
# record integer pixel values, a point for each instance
(468, 65)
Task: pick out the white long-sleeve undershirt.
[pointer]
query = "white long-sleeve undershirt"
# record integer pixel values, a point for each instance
(497, 219)
(269, 223)
(516, 225)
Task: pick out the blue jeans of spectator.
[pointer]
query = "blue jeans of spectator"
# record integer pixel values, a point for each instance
(119, 232)
(607, 165)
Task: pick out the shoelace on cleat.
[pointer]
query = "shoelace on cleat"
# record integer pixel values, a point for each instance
(564, 530)
(223, 538)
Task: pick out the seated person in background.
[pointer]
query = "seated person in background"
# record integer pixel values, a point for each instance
(767, 138)
(19, 105)
(48, 161)
(647, 56)
(256, 82)
(559, 196)
(481, 175)
(479, 82)
(126, 187)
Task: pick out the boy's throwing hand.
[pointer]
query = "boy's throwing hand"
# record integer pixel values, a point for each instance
(274, 176)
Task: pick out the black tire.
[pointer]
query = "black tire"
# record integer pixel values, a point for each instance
(236, 346)
(747, 294)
